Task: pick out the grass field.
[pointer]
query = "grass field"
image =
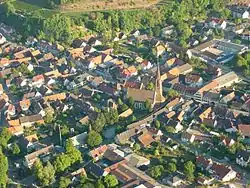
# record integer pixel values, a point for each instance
(76, 9)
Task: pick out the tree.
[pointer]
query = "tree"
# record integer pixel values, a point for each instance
(64, 182)
(123, 107)
(5, 136)
(156, 152)
(94, 139)
(170, 129)
(110, 181)
(157, 124)
(189, 169)
(157, 31)
(3, 170)
(171, 167)
(49, 115)
(136, 147)
(74, 154)
(99, 184)
(46, 175)
(15, 149)
(148, 105)
(172, 93)
(99, 123)
(156, 171)
(150, 86)
(88, 185)
(62, 162)
(131, 102)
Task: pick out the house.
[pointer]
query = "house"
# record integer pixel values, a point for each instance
(79, 140)
(182, 69)
(44, 154)
(244, 129)
(226, 124)
(28, 121)
(193, 80)
(137, 160)
(243, 158)
(38, 80)
(37, 108)
(175, 124)
(97, 153)
(130, 176)
(11, 111)
(54, 97)
(238, 11)
(172, 104)
(145, 65)
(217, 23)
(222, 172)
(174, 180)
(130, 71)
(203, 163)
(25, 104)
(146, 139)
(16, 130)
(228, 98)
(204, 180)
(166, 32)
(226, 141)
(95, 170)
(28, 143)
(246, 105)
(160, 50)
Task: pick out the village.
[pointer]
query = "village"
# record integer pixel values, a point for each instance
(144, 112)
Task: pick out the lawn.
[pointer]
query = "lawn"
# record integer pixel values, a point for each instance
(26, 7)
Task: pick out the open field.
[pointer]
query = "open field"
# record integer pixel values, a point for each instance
(85, 5)
(95, 5)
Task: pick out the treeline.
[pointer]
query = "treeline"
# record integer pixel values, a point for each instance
(59, 27)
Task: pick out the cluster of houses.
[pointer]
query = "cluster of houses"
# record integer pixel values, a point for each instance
(40, 79)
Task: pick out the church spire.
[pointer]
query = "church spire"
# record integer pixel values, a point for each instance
(158, 97)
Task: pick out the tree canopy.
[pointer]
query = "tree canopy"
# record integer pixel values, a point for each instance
(94, 139)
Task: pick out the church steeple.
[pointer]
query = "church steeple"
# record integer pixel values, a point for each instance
(158, 97)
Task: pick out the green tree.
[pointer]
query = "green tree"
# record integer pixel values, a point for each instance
(62, 162)
(170, 129)
(5, 136)
(15, 149)
(4, 169)
(150, 86)
(148, 105)
(49, 115)
(131, 102)
(110, 181)
(171, 167)
(157, 124)
(64, 182)
(73, 153)
(99, 184)
(157, 31)
(99, 123)
(172, 93)
(136, 147)
(47, 175)
(94, 139)
(189, 169)
(156, 171)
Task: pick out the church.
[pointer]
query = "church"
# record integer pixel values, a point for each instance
(154, 96)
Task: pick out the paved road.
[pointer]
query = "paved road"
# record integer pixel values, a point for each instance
(148, 118)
